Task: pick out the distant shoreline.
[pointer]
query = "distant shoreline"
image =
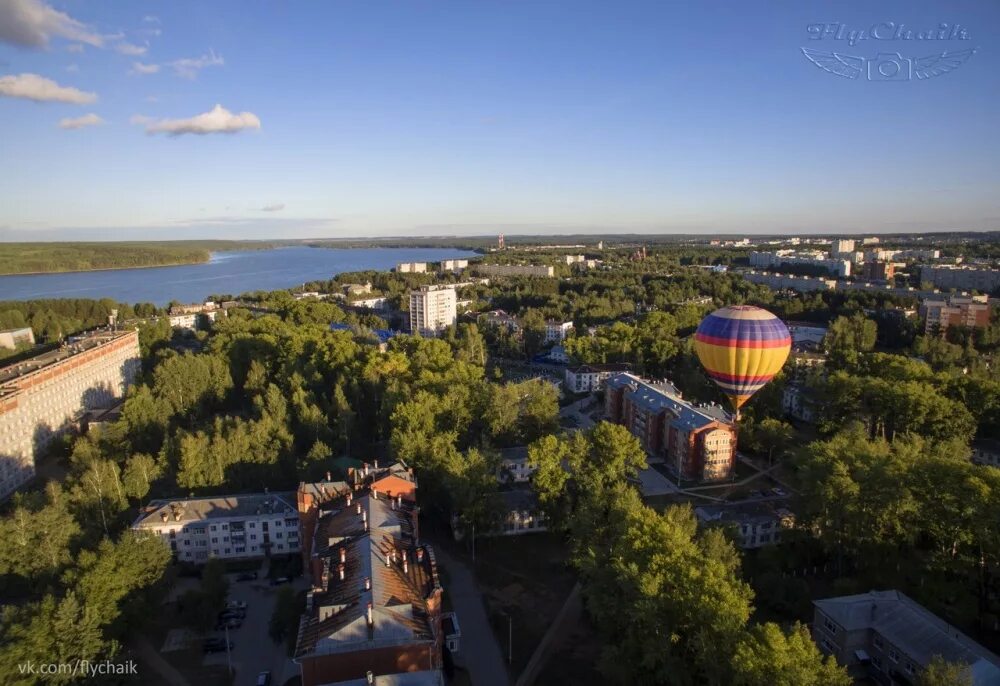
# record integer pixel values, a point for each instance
(106, 269)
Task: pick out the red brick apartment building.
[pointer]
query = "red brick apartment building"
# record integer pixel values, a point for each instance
(375, 603)
(697, 442)
(972, 312)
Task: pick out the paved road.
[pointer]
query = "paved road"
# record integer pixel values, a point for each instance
(155, 661)
(478, 651)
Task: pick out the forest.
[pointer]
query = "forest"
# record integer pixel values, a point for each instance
(40, 258)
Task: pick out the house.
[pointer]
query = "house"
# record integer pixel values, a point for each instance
(499, 319)
(514, 466)
(888, 638)
(756, 524)
(375, 603)
(521, 512)
(696, 442)
(245, 525)
(987, 452)
(558, 355)
(797, 403)
(590, 377)
(555, 331)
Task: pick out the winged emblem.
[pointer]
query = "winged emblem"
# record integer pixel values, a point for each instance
(841, 65)
(935, 65)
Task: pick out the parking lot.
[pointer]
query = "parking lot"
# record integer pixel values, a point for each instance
(253, 650)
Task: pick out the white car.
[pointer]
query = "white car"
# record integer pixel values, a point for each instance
(236, 605)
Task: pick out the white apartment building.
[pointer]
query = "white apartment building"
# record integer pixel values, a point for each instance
(842, 246)
(43, 396)
(541, 271)
(756, 524)
(589, 377)
(968, 278)
(555, 332)
(432, 309)
(11, 338)
(412, 267)
(774, 260)
(229, 526)
(802, 284)
(454, 265)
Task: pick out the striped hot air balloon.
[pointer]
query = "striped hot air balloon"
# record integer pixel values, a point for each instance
(742, 347)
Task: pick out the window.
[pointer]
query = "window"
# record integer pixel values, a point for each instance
(909, 668)
(225, 527)
(214, 539)
(227, 551)
(830, 626)
(278, 535)
(213, 527)
(877, 642)
(253, 537)
(893, 655)
(241, 549)
(877, 661)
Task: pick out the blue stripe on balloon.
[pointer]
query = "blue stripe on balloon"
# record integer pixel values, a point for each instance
(743, 329)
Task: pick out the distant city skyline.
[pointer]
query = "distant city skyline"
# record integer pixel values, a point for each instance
(334, 120)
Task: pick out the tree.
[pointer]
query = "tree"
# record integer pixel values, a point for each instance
(141, 471)
(848, 336)
(773, 435)
(768, 656)
(940, 672)
(284, 622)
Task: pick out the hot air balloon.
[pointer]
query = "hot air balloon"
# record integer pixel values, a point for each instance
(742, 347)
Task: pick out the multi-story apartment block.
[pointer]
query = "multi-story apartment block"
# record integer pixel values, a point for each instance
(432, 309)
(11, 338)
(756, 524)
(798, 404)
(886, 637)
(842, 247)
(878, 270)
(194, 316)
(939, 314)
(555, 331)
(375, 603)
(230, 526)
(499, 319)
(767, 260)
(590, 377)
(454, 266)
(696, 441)
(540, 271)
(802, 284)
(412, 267)
(44, 395)
(806, 335)
(968, 278)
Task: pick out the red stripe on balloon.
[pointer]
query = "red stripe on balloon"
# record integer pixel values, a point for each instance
(742, 343)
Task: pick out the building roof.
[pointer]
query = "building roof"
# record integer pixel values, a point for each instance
(916, 631)
(216, 507)
(75, 345)
(516, 454)
(423, 678)
(519, 498)
(375, 534)
(600, 368)
(743, 513)
(662, 396)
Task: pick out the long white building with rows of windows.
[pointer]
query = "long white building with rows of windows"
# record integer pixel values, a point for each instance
(228, 526)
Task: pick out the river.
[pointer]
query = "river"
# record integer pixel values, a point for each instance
(226, 272)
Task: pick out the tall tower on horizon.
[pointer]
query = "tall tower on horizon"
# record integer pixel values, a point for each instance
(500, 242)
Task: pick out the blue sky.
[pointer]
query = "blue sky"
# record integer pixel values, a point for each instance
(439, 118)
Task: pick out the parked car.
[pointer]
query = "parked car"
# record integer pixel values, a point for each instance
(232, 623)
(232, 614)
(247, 576)
(236, 605)
(264, 679)
(779, 491)
(280, 580)
(215, 645)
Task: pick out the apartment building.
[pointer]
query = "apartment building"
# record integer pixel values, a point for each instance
(939, 314)
(499, 319)
(888, 638)
(696, 442)
(412, 267)
(246, 525)
(802, 284)
(555, 331)
(798, 404)
(375, 603)
(967, 278)
(454, 266)
(514, 466)
(44, 395)
(591, 377)
(540, 271)
(842, 247)
(756, 525)
(12, 338)
(806, 335)
(521, 512)
(197, 316)
(877, 270)
(768, 260)
(432, 309)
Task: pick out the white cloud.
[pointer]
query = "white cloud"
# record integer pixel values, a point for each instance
(150, 19)
(189, 67)
(41, 89)
(130, 49)
(277, 207)
(74, 47)
(31, 23)
(80, 122)
(72, 68)
(140, 68)
(152, 98)
(218, 120)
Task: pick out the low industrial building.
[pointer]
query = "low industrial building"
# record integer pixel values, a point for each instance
(889, 638)
(247, 525)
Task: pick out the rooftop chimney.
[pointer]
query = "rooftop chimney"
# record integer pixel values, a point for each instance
(420, 554)
(350, 497)
(371, 618)
(357, 508)
(368, 583)
(405, 565)
(340, 570)
(328, 478)
(164, 516)
(376, 464)
(370, 677)
(343, 555)
(387, 560)
(375, 493)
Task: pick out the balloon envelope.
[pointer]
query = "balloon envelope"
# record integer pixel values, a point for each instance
(742, 347)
